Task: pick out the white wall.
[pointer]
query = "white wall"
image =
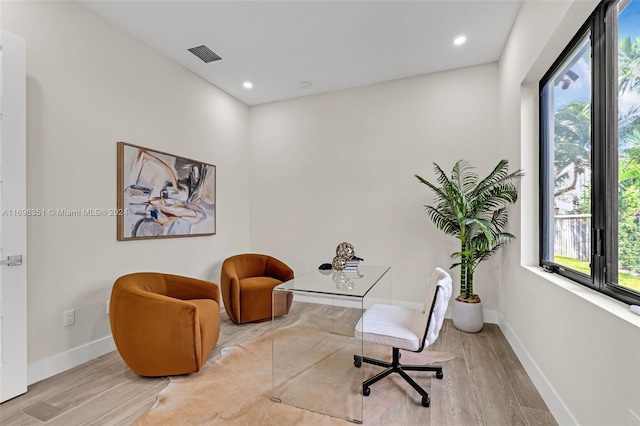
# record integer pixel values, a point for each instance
(582, 349)
(340, 167)
(90, 85)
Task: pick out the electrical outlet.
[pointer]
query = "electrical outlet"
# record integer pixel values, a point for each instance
(635, 419)
(68, 317)
(108, 303)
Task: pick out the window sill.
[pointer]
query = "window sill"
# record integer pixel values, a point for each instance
(614, 307)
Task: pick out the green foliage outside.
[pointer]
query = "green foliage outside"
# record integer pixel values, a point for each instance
(629, 228)
(624, 279)
(629, 162)
(573, 158)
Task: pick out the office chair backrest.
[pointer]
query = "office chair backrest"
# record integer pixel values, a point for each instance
(435, 306)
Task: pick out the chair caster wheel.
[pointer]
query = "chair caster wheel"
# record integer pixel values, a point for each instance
(426, 401)
(357, 361)
(366, 391)
(439, 375)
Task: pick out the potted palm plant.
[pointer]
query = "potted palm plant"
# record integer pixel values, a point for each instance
(474, 211)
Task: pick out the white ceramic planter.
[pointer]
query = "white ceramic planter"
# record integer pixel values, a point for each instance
(468, 316)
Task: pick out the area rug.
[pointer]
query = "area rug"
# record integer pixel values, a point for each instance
(236, 389)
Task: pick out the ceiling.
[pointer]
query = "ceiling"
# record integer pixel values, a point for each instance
(333, 45)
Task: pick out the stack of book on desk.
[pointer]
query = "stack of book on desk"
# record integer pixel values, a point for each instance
(351, 269)
(352, 265)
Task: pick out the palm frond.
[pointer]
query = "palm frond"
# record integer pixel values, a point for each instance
(444, 222)
(463, 174)
(498, 177)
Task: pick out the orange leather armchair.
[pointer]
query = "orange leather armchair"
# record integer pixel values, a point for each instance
(247, 281)
(164, 324)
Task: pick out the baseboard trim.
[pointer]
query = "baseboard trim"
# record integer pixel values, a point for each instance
(559, 410)
(490, 316)
(51, 366)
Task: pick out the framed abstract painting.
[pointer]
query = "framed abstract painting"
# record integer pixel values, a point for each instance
(162, 195)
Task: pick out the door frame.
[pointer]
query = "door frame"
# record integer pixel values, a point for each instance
(13, 201)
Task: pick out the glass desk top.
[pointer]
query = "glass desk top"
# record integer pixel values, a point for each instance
(349, 283)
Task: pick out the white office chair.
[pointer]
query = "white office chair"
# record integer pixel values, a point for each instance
(407, 329)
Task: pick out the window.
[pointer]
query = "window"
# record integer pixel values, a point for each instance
(590, 155)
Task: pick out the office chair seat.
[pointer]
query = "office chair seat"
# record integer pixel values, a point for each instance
(406, 329)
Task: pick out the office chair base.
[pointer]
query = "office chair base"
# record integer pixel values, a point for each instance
(395, 367)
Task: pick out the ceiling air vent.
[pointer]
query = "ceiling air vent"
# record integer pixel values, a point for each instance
(204, 53)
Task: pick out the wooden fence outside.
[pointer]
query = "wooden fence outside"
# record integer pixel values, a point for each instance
(573, 236)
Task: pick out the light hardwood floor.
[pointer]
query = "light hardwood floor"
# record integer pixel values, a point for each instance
(484, 385)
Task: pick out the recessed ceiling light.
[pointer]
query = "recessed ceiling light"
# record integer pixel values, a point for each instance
(247, 84)
(459, 40)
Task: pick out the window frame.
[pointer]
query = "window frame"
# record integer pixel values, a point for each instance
(604, 161)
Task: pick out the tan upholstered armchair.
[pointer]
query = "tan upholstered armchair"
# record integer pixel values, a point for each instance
(247, 281)
(164, 324)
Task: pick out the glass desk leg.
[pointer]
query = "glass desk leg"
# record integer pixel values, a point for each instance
(313, 360)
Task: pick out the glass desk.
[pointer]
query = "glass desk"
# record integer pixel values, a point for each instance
(313, 359)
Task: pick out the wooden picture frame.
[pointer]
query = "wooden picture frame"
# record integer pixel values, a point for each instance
(162, 195)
